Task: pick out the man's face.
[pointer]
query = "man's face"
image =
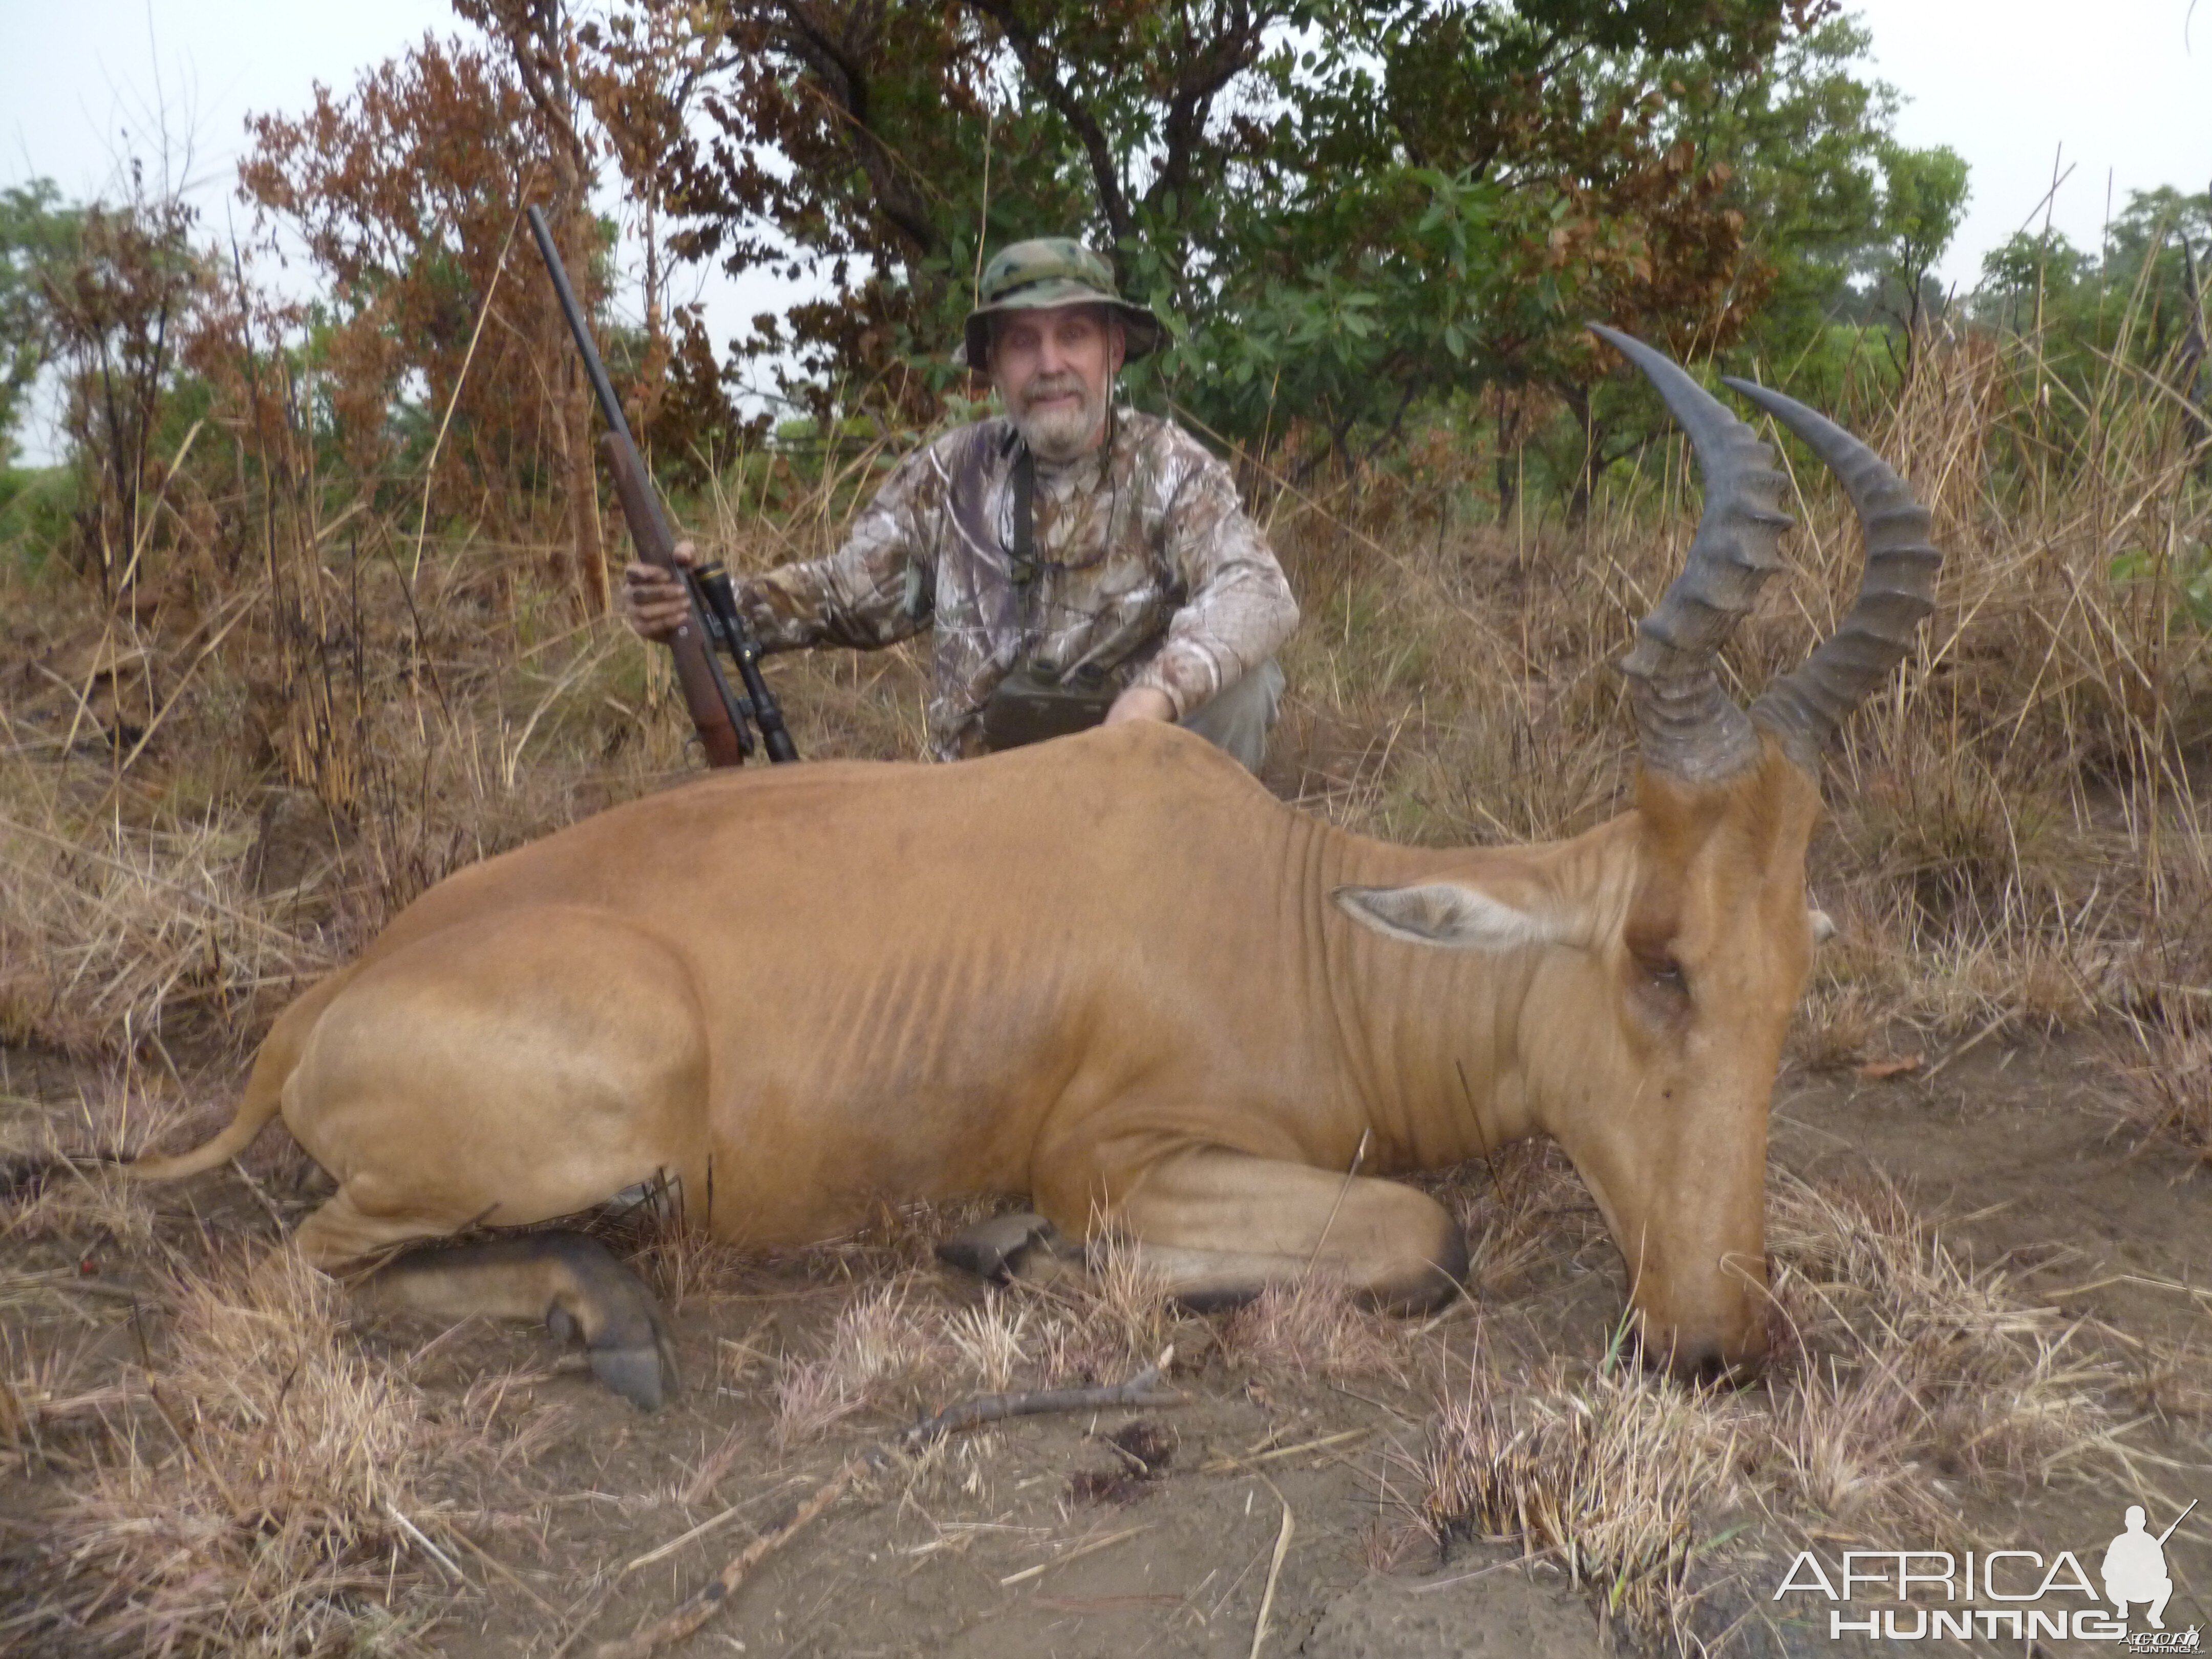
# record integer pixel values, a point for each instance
(1053, 368)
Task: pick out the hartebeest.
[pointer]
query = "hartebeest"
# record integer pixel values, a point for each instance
(1114, 973)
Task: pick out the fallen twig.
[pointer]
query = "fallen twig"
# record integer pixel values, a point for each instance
(98, 1400)
(1231, 1464)
(707, 1600)
(593, 1602)
(83, 1285)
(1275, 1573)
(1142, 1389)
(422, 1538)
(502, 1570)
(1080, 1551)
(703, 1528)
(1436, 1584)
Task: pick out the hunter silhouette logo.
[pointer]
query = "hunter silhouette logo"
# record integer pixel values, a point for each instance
(2135, 1566)
(1926, 1594)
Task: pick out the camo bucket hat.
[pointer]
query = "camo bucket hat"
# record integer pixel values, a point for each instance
(1052, 270)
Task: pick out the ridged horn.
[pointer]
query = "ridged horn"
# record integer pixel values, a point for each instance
(1804, 707)
(1688, 724)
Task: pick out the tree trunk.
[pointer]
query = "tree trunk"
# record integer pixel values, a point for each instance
(536, 34)
(1509, 468)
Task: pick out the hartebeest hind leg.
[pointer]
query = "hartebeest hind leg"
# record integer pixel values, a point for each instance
(476, 1077)
(569, 1281)
(1219, 1226)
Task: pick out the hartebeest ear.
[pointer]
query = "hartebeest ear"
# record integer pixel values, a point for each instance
(1447, 913)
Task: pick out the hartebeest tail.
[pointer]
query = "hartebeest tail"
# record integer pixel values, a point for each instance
(1111, 973)
(264, 1097)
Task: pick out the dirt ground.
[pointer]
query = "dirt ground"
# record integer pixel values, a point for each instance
(1264, 1495)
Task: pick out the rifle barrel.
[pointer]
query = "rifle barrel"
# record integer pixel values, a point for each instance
(602, 387)
(2177, 1520)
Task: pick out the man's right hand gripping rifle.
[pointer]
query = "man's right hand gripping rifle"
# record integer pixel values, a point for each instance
(654, 599)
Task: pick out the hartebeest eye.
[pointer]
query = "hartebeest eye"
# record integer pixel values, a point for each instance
(1661, 988)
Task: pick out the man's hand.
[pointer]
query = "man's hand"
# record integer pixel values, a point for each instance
(1141, 703)
(654, 601)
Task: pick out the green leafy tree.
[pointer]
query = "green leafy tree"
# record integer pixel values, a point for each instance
(118, 307)
(37, 235)
(1349, 210)
(1924, 198)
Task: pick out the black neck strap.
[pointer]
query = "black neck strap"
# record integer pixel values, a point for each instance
(1024, 547)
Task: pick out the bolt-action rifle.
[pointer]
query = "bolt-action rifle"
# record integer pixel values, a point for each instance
(720, 716)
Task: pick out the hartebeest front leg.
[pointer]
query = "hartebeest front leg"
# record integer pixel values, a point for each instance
(1219, 1226)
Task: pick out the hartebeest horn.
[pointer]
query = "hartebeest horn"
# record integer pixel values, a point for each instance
(1689, 724)
(1804, 707)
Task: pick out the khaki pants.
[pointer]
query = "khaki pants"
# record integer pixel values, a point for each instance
(1239, 720)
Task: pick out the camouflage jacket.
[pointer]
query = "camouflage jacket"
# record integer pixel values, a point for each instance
(1147, 565)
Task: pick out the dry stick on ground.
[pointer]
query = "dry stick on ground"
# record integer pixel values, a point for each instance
(1274, 1571)
(1142, 1389)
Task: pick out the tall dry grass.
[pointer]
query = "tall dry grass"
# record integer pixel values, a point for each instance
(195, 880)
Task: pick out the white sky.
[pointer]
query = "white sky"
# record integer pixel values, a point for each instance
(2124, 85)
(2119, 90)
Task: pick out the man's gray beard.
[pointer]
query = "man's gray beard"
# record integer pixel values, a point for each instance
(1058, 436)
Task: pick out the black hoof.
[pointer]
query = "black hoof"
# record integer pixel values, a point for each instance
(639, 1375)
(624, 1338)
(993, 1249)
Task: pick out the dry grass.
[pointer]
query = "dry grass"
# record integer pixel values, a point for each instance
(108, 932)
(1609, 1475)
(880, 1341)
(2168, 1079)
(1313, 1328)
(254, 1504)
(1901, 1377)
(66, 1185)
(1999, 1388)
(1522, 1205)
(900, 1345)
(1123, 1314)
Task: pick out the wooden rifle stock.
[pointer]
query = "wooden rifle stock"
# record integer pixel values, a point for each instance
(706, 693)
